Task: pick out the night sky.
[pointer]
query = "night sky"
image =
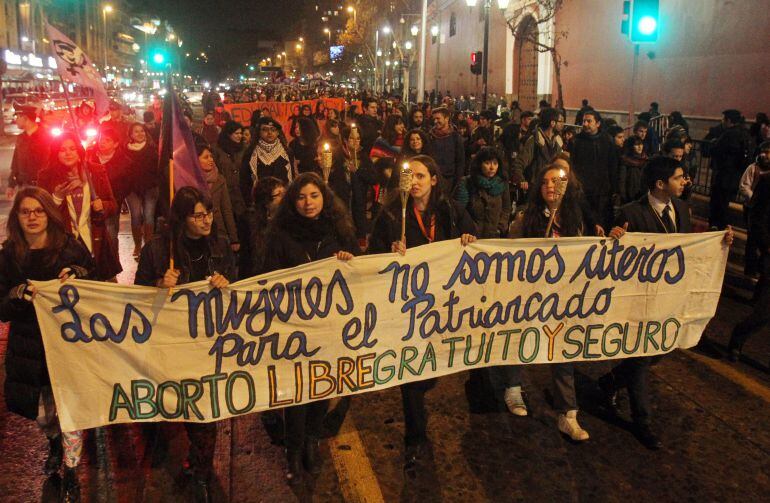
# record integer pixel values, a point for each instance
(232, 28)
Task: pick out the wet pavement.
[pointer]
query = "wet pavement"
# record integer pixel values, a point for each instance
(712, 416)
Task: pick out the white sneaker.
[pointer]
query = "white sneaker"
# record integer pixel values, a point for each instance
(514, 401)
(568, 424)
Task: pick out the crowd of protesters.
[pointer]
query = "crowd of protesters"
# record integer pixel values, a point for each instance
(332, 190)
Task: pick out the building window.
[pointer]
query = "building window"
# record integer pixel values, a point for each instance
(452, 25)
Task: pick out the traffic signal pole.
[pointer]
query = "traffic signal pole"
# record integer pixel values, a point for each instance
(632, 101)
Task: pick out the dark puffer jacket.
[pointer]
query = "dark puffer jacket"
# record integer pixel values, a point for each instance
(154, 262)
(25, 365)
(304, 240)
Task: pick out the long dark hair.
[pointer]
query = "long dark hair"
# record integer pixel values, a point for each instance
(57, 235)
(334, 210)
(262, 195)
(389, 129)
(308, 132)
(406, 150)
(571, 222)
(182, 207)
(58, 170)
(224, 141)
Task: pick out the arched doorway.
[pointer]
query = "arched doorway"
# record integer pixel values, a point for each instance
(525, 64)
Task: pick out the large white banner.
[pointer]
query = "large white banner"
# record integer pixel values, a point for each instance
(330, 328)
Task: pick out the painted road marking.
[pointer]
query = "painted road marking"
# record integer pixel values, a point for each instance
(728, 371)
(357, 480)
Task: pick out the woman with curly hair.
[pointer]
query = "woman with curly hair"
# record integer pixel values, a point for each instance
(417, 142)
(311, 224)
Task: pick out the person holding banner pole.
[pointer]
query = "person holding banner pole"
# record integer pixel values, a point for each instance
(84, 195)
(199, 253)
(554, 210)
(430, 217)
(311, 224)
(38, 248)
(661, 211)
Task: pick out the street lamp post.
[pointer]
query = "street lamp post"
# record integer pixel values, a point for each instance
(436, 32)
(107, 9)
(423, 47)
(329, 33)
(376, 58)
(502, 4)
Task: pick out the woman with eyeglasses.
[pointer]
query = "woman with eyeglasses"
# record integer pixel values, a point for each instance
(268, 156)
(38, 248)
(199, 253)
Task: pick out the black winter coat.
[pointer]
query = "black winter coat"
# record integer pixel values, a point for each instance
(304, 241)
(25, 365)
(595, 161)
(452, 221)
(154, 262)
(730, 154)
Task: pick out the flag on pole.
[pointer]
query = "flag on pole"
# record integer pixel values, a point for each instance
(76, 67)
(177, 144)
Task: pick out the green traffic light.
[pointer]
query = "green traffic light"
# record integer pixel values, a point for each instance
(158, 58)
(647, 25)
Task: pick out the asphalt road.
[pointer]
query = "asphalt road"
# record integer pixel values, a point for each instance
(711, 414)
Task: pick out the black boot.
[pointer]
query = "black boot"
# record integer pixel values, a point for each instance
(70, 487)
(55, 453)
(294, 469)
(311, 458)
(201, 491)
(734, 348)
(647, 437)
(609, 393)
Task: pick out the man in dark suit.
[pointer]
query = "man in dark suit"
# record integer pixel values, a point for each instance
(658, 211)
(759, 228)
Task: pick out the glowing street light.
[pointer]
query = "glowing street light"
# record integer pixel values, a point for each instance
(106, 9)
(434, 30)
(415, 30)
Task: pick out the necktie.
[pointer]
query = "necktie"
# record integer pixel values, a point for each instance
(668, 222)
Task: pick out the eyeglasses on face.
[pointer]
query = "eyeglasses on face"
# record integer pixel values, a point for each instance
(25, 213)
(200, 217)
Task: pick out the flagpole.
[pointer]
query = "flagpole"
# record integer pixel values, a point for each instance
(171, 200)
(69, 107)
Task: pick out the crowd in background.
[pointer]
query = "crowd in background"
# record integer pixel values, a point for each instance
(330, 188)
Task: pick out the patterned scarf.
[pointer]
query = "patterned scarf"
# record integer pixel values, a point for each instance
(267, 154)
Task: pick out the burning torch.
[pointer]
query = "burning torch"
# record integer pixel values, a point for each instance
(404, 186)
(326, 162)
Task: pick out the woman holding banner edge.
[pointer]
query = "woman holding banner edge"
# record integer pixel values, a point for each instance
(38, 248)
(199, 253)
(430, 217)
(554, 210)
(311, 224)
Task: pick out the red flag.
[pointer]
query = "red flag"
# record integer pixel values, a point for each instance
(76, 67)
